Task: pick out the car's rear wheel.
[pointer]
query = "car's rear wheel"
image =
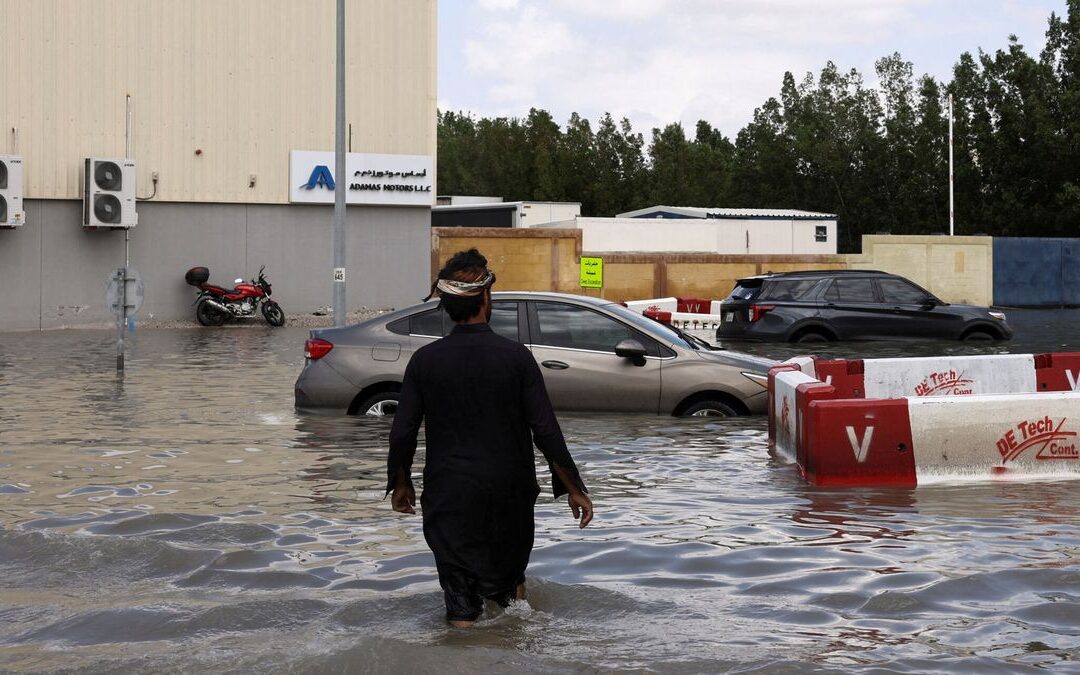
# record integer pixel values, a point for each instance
(379, 405)
(710, 409)
(810, 336)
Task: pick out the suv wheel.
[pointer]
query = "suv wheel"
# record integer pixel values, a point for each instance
(978, 336)
(811, 336)
(710, 409)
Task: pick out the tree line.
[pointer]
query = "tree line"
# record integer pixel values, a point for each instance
(875, 156)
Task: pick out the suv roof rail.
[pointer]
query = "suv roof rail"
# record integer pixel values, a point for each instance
(820, 273)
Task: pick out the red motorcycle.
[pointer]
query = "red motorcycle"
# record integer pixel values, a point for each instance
(215, 304)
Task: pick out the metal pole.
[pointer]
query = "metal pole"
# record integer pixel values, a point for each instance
(128, 153)
(341, 181)
(121, 281)
(951, 205)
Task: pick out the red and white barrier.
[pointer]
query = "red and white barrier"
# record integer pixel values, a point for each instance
(685, 313)
(948, 375)
(840, 433)
(655, 305)
(783, 385)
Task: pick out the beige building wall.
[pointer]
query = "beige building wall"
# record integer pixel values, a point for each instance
(244, 81)
(541, 259)
(956, 269)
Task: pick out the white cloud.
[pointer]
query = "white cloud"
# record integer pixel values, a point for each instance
(659, 61)
(616, 10)
(496, 5)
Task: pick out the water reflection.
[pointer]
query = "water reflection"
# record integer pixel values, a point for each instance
(830, 517)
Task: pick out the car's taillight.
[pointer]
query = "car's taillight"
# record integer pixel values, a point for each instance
(758, 311)
(316, 348)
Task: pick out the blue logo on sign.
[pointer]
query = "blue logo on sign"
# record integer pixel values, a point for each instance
(320, 175)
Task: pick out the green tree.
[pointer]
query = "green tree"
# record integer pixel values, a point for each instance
(578, 163)
(669, 155)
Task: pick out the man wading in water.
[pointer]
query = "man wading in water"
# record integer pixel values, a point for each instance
(479, 395)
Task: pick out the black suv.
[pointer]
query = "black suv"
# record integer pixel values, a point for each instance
(831, 305)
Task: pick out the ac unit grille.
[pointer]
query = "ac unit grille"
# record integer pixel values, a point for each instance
(107, 208)
(107, 176)
(3, 209)
(3, 175)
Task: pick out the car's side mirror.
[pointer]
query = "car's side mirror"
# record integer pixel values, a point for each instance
(929, 302)
(633, 350)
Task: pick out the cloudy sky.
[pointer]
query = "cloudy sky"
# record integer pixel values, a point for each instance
(659, 61)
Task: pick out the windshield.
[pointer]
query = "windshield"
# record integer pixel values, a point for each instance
(664, 333)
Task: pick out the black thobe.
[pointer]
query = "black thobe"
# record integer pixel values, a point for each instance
(483, 402)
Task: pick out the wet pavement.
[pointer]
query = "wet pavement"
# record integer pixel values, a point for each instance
(187, 518)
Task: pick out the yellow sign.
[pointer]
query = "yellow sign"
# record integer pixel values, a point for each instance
(592, 272)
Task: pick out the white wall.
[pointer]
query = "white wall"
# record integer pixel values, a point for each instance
(727, 236)
(534, 214)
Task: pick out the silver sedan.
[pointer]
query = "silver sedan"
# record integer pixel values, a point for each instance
(595, 355)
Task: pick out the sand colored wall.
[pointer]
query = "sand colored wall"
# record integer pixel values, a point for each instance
(956, 269)
(700, 275)
(547, 259)
(523, 259)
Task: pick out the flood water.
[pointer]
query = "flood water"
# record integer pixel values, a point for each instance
(188, 519)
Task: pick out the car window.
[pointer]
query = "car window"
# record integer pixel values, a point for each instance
(562, 325)
(851, 290)
(745, 290)
(431, 323)
(788, 289)
(899, 292)
(651, 327)
(504, 319)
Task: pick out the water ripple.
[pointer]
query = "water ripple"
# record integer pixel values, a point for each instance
(187, 519)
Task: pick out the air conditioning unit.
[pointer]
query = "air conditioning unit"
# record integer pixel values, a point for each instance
(11, 191)
(109, 193)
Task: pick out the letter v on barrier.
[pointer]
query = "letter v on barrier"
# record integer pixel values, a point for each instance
(860, 447)
(1072, 378)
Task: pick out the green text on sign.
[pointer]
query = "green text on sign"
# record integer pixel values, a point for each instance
(592, 272)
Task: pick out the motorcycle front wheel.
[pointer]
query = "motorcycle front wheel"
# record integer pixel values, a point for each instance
(209, 315)
(273, 313)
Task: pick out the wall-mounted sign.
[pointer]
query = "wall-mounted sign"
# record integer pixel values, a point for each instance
(592, 272)
(396, 180)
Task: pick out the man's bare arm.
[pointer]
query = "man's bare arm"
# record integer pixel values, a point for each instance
(403, 500)
(580, 504)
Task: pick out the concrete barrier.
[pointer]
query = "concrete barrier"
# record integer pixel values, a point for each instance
(980, 417)
(950, 375)
(783, 428)
(656, 304)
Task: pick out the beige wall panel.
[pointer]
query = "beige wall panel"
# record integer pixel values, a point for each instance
(569, 266)
(706, 280)
(907, 259)
(956, 269)
(519, 264)
(627, 281)
(963, 273)
(245, 81)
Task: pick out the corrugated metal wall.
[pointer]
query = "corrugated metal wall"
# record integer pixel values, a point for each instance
(245, 81)
(1031, 272)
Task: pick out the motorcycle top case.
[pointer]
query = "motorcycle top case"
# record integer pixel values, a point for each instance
(197, 275)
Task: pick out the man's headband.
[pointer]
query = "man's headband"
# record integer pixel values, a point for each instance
(464, 288)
